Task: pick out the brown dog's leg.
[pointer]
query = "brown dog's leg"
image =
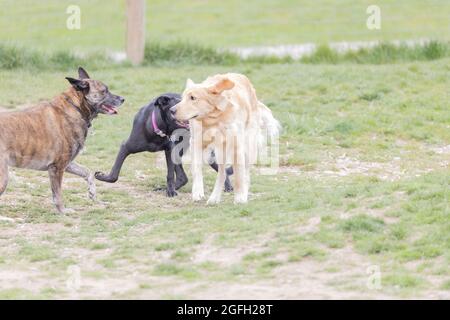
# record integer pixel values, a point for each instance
(56, 174)
(3, 176)
(84, 173)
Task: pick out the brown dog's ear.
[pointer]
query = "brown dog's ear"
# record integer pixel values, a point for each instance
(79, 85)
(221, 86)
(82, 74)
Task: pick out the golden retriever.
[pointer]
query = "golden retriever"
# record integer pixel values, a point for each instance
(225, 115)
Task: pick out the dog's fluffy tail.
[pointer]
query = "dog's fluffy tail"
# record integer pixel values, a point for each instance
(269, 123)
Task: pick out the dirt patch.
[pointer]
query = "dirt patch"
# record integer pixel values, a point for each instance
(394, 169)
(30, 279)
(290, 170)
(306, 279)
(344, 165)
(311, 226)
(31, 230)
(225, 257)
(441, 149)
(7, 219)
(380, 213)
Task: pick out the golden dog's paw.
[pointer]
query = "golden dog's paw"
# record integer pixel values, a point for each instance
(213, 200)
(240, 199)
(198, 196)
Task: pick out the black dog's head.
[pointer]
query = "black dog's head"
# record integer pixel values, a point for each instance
(164, 103)
(96, 93)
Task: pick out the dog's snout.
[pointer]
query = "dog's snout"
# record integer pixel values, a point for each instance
(122, 99)
(173, 109)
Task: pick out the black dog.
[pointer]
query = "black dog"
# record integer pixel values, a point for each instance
(152, 128)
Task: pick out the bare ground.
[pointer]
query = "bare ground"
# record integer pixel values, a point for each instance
(305, 279)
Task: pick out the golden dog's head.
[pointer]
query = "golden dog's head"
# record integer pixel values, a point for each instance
(200, 100)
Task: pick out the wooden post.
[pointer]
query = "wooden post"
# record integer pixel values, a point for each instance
(135, 30)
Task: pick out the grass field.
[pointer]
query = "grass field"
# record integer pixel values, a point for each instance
(222, 23)
(363, 184)
(364, 181)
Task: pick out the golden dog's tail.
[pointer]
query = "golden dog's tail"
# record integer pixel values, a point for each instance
(268, 142)
(268, 121)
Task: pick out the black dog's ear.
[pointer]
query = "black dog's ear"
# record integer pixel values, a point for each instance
(82, 74)
(162, 101)
(79, 85)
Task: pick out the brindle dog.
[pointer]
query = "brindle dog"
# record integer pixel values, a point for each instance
(50, 135)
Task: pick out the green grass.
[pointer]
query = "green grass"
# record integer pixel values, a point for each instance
(15, 57)
(401, 281)
(446, 285)
(16, 294)
(182, 53)
(187, 53)
(394, 215)
(362, 224)
(222, 24)
(381, 54)
(364, 177)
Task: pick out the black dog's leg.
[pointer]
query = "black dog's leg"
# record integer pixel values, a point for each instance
(170, 174)
(115, 171)
(181, 176)
(213, 164)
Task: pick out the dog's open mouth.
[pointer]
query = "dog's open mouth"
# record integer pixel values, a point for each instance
(108, 109)
(183, 124)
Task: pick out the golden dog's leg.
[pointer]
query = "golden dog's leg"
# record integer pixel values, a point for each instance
(247, 178)
(84, 173)
(198, 192)
(251, 155)
(3, 176)
(56, 174)
(216, 195)
(240, 194)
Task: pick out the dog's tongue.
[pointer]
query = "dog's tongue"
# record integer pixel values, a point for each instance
(183, 124)
(110, 109)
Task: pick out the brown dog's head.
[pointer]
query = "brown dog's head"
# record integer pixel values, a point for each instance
(201, 100)
(96, 93)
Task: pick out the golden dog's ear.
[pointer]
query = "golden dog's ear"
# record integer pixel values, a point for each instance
(221, 86)
(189, 83)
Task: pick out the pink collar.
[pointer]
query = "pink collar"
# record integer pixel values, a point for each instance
(155, 126)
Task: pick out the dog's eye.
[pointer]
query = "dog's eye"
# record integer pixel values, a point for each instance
(193, 98)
